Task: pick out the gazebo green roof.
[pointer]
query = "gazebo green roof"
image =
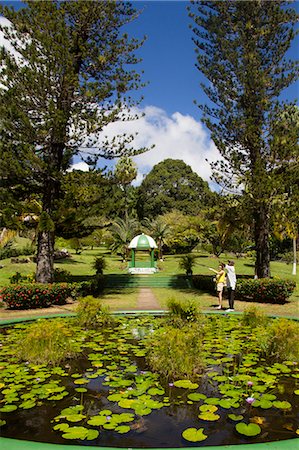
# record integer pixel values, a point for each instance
(143, 242)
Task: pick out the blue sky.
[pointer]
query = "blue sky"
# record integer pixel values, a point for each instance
(172, 121)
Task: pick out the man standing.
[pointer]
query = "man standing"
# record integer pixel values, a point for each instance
(231, 284)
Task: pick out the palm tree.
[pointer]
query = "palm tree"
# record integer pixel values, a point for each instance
(159, 230)
(123, 231)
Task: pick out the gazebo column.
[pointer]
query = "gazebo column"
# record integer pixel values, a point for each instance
(133, 257)
(152, 258)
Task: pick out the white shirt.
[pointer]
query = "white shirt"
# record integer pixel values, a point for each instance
(231, 276)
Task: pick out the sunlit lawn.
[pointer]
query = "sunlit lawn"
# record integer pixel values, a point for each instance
(80, 266)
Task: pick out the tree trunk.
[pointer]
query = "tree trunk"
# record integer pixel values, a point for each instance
(261, 234)
(45, 257)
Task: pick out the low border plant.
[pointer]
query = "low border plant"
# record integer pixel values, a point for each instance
(31, 296)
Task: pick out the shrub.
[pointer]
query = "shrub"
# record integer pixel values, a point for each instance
(265, 290)
(176, 352)
(99, 264)
(272, 290)
(183, 310)
(31, 296)
(46, 342)
(91, 313)
(19, 278)
(10, 252)
(187, 262)
(61, 275)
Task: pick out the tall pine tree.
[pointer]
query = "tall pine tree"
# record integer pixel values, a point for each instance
(68, 76)
(241, 50)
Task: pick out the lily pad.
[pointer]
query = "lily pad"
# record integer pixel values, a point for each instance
(97, 420)
(186, 384)
(195, 396)
(210, 416)
(76, 433)
(194, 435)
(282, 405)
(122, 429)
(8, 408)
(235, 417)
(251, 429)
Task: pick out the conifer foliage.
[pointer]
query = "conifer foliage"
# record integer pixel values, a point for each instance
(241, 50)
(67, 74)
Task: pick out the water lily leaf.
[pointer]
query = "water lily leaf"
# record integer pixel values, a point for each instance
(76, 433)
(269, 396)
(122, 429)
(141, 410)
(81, 381)
(97, 421)
(186, 384)
(207, 415)
(2, 422)
(27, 405)
(282, 405)
(235, 417)
(92, 434)
(75, 417)
(156, 391)
(265, 404)
(126, 403)
(81, 390)
(61, 427)
(8, 408)
(226, 403)
(212, 401)
(195, 396)
(251, 429)
(110, 425)
(209, 408)
(124, 417)
(194, 435)
(115, 397)
(105, 412)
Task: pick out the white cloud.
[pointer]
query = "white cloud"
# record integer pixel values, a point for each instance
(79, 166)
(177, 136)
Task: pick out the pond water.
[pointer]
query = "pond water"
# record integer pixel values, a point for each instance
(110, 397)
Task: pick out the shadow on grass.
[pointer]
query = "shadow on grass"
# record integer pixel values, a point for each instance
(67, 261)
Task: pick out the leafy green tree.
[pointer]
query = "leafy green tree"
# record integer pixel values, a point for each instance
(241, 49)
(172, 184)
(68, 77)
(125, 172)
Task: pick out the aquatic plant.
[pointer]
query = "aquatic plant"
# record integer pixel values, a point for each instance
(183, 310)
(46, 342)
(176, 352)
(280, 340)
(253, 316)
(91, 313)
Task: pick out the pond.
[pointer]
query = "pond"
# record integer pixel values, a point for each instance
(110, 396)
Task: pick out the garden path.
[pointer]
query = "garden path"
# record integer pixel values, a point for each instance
(147, 300)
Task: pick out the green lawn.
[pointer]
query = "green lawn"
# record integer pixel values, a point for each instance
(81, 266)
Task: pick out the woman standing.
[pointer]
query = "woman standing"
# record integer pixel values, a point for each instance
(231, 284)
(220, 282)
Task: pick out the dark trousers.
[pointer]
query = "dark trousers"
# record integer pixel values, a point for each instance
(231, 297)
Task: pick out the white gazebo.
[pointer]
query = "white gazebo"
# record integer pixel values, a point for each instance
(143, 242)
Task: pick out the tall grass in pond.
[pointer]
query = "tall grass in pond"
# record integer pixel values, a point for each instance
(91, 313)
(46, 342)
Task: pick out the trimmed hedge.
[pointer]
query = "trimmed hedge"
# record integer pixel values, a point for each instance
(264, 290)
(31, 296)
